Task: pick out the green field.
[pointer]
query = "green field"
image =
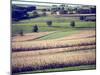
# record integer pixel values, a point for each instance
(59, 24)
(58, 34)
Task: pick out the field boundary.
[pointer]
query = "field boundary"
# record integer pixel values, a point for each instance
(65, 69)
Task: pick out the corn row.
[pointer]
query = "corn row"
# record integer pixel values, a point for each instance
(53, 60)
(51, 51)
(47, 44)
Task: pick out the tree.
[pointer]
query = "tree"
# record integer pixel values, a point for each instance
(72, 23)
(35, 28)
(21, 33)
(49, 23)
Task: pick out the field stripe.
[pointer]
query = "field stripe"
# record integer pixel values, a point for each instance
(53, 60)
(30, 36)
(74, 68)
(52, 51)
(49, 44)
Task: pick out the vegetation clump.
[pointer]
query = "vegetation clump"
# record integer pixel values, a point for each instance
(35, 28)
(72, 23)
(49, 23)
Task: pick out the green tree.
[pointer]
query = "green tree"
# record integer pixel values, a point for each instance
(72, 23)
(49, 23)
(35, 28)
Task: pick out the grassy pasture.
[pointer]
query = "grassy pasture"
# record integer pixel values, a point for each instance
(59, 24)
(56, 26)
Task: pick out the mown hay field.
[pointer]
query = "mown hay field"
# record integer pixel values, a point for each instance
(30, 36)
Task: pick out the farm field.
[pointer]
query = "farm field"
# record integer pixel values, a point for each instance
(55, 60)
(56, 48)
(30, 36)
(59, 24)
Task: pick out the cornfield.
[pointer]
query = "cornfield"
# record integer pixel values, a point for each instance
(55, 60)
(47, 44)
(51, 51)
(74, 50)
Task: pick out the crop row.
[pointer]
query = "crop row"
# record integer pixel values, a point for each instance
(55, 60)
(51, 51)
(48, 44)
